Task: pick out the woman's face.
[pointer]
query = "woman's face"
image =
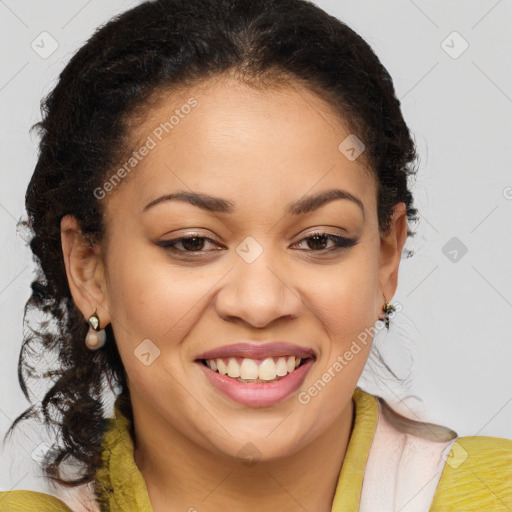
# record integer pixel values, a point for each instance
(253, 276)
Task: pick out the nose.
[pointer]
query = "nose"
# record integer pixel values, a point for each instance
(258, 293)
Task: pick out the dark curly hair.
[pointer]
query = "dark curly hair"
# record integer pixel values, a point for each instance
(86, 131)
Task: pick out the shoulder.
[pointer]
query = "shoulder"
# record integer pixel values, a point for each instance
(29, 501)
(477, 476)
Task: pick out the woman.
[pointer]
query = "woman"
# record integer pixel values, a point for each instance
(219, 209)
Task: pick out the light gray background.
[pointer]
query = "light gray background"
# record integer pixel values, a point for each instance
(454, 329)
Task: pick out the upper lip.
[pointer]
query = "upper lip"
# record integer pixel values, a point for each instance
(258, 351)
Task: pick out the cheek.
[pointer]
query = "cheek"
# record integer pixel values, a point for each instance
(150, 297)
(344, 298)
(345, 309)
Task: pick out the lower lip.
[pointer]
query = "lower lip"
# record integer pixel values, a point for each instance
(259, 394)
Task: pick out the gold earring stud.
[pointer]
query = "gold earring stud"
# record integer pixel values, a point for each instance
(387, 308)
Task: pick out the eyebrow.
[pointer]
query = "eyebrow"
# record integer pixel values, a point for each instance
(212, 204)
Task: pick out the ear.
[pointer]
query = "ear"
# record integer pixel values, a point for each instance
(391, 247)
(85, 271)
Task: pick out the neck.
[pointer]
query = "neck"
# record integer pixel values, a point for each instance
(182, 475)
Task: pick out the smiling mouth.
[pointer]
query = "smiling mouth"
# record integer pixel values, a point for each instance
(255, 371)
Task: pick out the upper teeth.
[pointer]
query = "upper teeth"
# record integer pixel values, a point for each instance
(267, 369)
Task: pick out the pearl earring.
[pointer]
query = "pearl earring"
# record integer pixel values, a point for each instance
(96, 337)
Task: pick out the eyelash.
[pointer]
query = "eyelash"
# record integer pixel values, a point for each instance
(339, 243)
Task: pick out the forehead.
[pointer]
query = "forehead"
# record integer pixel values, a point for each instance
(227, 139)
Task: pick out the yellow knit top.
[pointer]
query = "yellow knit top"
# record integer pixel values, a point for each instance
(482, 483)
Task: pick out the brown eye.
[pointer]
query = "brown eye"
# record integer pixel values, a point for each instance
(193, 243)
(317, 242)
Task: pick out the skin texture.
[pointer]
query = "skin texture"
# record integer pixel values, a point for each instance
(261, 150)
